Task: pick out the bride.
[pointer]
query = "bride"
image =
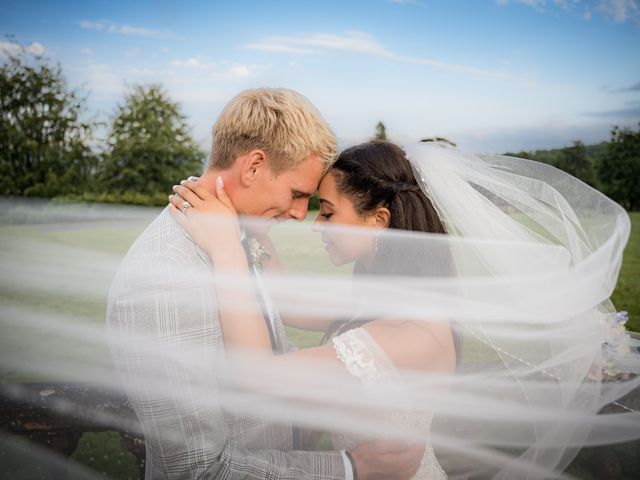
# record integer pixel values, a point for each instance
(518, 257)
(371, 185)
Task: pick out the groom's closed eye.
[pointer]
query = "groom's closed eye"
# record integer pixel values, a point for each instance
(298, 194)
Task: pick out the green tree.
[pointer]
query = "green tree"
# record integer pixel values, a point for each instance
(574, 160)
(44, 146)
(619, 168)
(149, 148)
(381, 132)
(520, 154)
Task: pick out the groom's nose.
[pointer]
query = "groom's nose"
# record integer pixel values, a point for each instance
(299, 208)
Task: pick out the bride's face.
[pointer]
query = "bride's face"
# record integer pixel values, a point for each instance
(337, 209)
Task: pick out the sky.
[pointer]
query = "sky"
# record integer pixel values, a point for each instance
(491, 75)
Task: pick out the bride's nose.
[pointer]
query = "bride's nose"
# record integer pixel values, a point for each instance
(317, 226)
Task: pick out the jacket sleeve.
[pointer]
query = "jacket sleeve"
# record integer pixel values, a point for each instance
(167, 346)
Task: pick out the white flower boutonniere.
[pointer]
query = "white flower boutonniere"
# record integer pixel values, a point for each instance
(258, 253)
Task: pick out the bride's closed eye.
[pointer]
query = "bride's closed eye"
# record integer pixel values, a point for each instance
(326, 216)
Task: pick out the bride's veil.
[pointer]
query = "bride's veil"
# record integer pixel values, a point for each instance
(523, 276)
(541, 260)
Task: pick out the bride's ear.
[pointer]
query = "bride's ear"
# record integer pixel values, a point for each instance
(252, 164)
(382, 218)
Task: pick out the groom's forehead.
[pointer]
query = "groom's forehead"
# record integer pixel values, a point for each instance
(306, 176)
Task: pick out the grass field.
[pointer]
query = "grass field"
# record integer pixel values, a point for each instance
(82, 259)
(46, 292)
(627, 293)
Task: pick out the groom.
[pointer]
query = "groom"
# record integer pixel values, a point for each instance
(271, 147)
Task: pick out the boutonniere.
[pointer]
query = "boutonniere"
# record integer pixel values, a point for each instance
(258, 253)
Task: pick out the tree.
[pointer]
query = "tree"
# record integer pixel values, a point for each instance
(619, 168)
(520, 154)
(381, 132)
(44, 147)
(575, 161)
(149, 146)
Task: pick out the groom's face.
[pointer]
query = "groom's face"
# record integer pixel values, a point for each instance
(286, 196)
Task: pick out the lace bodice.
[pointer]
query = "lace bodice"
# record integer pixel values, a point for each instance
(359, 360)
(366, 360)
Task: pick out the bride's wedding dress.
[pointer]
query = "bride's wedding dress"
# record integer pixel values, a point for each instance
(366, 360)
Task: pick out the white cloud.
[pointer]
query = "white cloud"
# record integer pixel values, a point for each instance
(538, 4)
(220, 70)
(457, 68)
(89, 25)
(110, 27)
(620, 10)
(293, 65)
(142, 73)
(567, 4)
(36, 48)
(103, 80)
(407, 2)
(270, 45)
(109, 82)
(13, 48)
(359, 43)
(194, 62)
(10, 48)
(241, 71)
(86, 51)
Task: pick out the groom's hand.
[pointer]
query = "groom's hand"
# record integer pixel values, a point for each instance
(387, 459)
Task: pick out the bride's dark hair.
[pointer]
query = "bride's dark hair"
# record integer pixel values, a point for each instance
(378, 174)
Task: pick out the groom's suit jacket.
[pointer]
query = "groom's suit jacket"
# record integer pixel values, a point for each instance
(166, 342)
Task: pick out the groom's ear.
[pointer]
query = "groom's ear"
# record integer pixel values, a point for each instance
(252, 165)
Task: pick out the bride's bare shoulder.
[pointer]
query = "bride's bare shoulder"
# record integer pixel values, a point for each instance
(415, 345)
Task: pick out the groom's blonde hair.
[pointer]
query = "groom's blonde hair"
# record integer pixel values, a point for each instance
(279, 121)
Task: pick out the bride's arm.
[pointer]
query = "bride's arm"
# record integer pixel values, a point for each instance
(212, 224)
(408, 344)
(216, 239)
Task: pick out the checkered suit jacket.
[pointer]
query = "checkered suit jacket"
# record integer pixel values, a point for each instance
(186, 438)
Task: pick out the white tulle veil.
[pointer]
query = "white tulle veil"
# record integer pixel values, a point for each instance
(523, 276)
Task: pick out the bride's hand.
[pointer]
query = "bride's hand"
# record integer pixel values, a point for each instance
(210, 219)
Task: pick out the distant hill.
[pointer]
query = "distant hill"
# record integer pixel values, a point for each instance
(552, 156)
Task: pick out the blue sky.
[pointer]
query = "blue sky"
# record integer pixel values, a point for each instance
(492, 75)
